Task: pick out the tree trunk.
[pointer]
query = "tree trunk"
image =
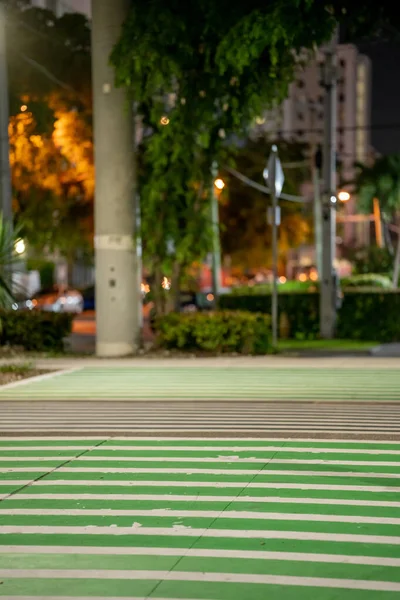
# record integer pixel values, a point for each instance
(158, 293)
(396, 268)
(173, 302)
(378, 224)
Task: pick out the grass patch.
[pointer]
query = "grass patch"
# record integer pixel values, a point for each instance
(18, 369)
(325, 345)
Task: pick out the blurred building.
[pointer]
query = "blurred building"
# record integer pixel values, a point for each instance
(59, 7)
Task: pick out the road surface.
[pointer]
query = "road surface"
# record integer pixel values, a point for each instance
(199, 519)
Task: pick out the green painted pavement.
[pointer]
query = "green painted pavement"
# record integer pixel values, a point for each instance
(271, 531)
(224, 383)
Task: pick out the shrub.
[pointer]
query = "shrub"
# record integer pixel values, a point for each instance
(35, 330)
(364, 315)
(216, 332)
(373, 280)
(302, 310)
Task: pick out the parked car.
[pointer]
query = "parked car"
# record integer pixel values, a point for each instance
(56, 299)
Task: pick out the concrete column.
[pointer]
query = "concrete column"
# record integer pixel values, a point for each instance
(5, 174)
(117, 293)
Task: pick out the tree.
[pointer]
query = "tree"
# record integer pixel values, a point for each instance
(246, 236)
(51, 148)
(198, 79)
(381, 181)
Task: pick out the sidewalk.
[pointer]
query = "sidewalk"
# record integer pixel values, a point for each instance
(267, 362)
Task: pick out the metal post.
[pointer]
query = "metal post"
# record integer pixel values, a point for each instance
(274, 310)
(216, 253)
(317, 220)
(327, 296)
(5, 173)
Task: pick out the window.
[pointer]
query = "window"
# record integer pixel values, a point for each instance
(342, 97)
(342, 63)
(300, 84)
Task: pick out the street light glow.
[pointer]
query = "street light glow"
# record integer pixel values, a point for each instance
(344, 196)
(164, 120)
(20, 246)
(219, 184)
(24, 108)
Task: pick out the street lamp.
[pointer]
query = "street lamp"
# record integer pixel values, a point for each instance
(219, 184)
(20, 246)
(344, 196)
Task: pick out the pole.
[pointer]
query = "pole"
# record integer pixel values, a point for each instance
(216, 253)
(117, 290)
(5, 173)
(274, 307)
(328, 280)
(317, 220)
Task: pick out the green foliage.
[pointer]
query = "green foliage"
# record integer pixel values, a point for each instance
(262, 289)
(8, 259)
(372, 280)
(381, 181)
(369, 315)
(46, 271)
(372, 259)
(238, 332)
(210, 76)
(17, 369)
(301, 309)
(246, 236)
(35, 330)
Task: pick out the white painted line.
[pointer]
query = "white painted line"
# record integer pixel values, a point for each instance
(198, 514)
(203, 553)
(153, 438)
(236, 449)
(323, 582)
(121, 483)
(38, 378)
(182, 531)
(188, 471)
(221, 459)
(218, 459)
(197, 498)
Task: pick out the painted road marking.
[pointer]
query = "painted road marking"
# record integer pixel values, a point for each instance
(149, 531)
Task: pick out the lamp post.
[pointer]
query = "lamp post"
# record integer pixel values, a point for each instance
(216, 188)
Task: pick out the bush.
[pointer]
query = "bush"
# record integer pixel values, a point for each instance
(373, 280)
(239, 332)
(35, 330)
(364, 315)
(302, 310)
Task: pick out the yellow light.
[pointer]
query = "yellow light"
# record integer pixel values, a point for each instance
(344, 196)
(302, 277)
(210, 297)
(20, 246)
(24, 108)
(164, 120)
(282, 279)
(314, 276)
(219, 184)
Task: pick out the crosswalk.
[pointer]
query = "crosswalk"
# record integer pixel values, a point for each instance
(215, 384)
(102, 518)
(206, 418)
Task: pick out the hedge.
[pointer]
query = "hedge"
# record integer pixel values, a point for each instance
(38, 331)
(215, 332)
(364, 315)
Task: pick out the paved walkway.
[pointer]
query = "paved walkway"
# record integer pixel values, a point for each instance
(209, 520)
(200, 418)
(222, 383)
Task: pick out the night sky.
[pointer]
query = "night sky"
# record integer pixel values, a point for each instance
(385, 95)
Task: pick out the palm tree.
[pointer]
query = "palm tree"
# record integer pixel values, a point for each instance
(8, 258)
(380, 183)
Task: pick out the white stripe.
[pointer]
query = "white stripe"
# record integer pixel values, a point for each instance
(39, 378)
(219, 459)
(197, 498)
(180, 530)
(156, 438)
(200, 514)
(353, 584)
(235, 449)
(203, 553)
(214, 484)
(189, 471)
(224, 459)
